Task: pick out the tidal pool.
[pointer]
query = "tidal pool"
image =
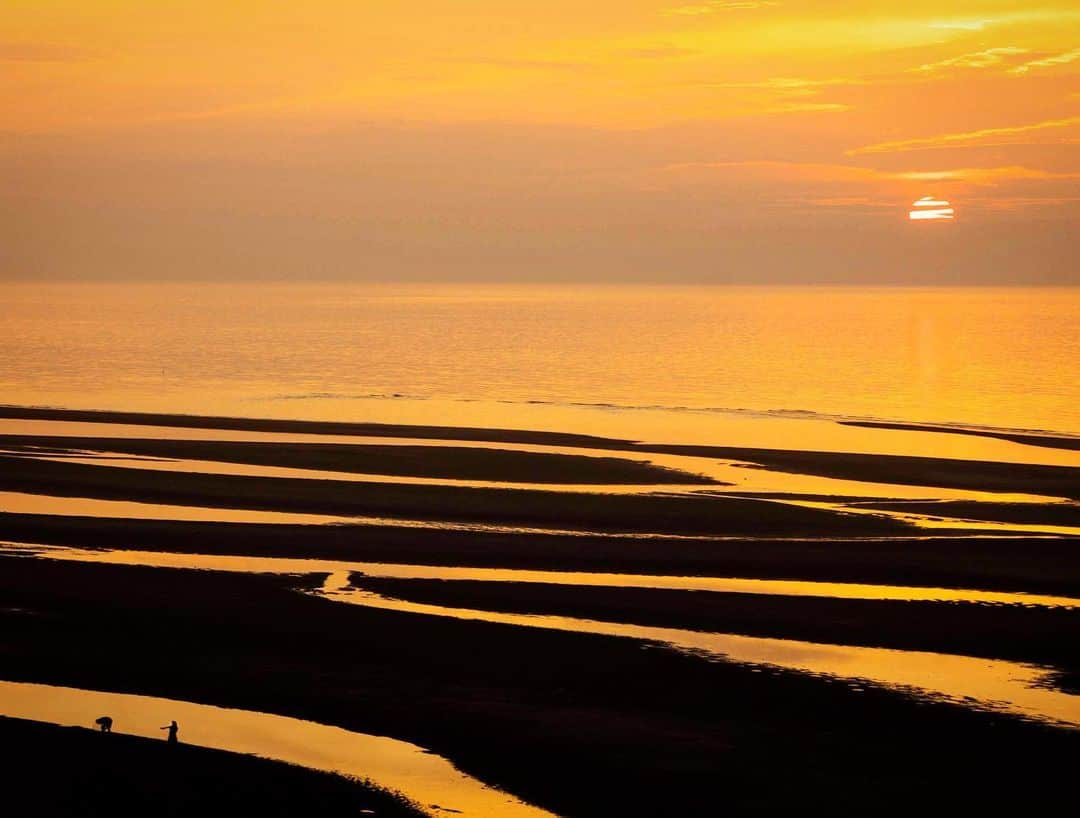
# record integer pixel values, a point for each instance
(991, 684)
(740, 585)
(428, 779)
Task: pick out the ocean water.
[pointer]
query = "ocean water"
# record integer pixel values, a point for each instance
(677, 363)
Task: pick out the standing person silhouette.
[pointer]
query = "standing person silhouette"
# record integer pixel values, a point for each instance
(173, 729)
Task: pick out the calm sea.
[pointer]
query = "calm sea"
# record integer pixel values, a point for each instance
(660, 362)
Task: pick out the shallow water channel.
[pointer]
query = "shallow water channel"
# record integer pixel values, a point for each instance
(992, 684)
(430, 780)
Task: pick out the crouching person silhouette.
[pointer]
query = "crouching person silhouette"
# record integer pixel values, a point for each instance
(173, 729)
(104, 724)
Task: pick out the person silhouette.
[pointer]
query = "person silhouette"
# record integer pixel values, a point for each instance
(104, 723)
(173, 729)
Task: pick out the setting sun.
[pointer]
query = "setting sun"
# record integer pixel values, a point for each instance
(930, 209)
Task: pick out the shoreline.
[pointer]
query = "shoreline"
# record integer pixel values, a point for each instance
(321, 427)
(1047, 636)
(979, 475)
(649, 513)
(565, 718)
(1048, 440)
(399, 460)
(591, 712)
(1037, 565)
(122, 775)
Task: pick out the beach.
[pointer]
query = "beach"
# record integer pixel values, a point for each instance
(123, 776)
(843, 617)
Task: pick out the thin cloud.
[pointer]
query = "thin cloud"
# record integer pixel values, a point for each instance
(965, 139)
(986, 176)
(790, 94)
(858, 188)
(851, 202)
(661, 52)
(808, 107)
(1011, 203)
(713, 7)
(783, 171)
(832, 173)
(787, 83)
(964, 25)
(526, 64)
(976, 59)
(1047, 62)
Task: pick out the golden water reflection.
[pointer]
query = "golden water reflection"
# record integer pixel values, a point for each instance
(740, 585)
(637, 362)
(991, 684)
(986, 683)
(733, 430)
(421, 775)
(23, 503)
(736, 475)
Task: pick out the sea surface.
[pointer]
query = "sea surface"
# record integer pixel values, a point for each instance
(668, 363)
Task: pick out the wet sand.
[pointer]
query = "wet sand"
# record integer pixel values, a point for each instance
(981, 475)
(311, 427)
(978, 475)
(396, 460)
(564, 720)
(1027, 439)
(1032, 564)
(1037, 635)
(673, 514)
(67, 771)
(385, 763)
(1065, 514)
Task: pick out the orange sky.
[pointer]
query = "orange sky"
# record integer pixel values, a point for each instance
(749, 141)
